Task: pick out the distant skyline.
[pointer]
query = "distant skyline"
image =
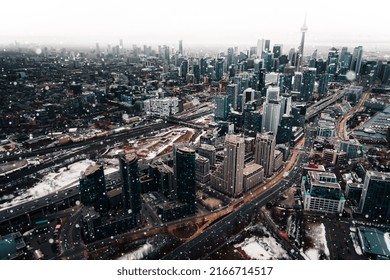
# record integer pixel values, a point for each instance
(201, 22)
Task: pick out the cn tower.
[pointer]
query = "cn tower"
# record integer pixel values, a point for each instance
(301, 47)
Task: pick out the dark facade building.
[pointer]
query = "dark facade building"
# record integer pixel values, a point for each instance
(185, 177)
(375, 199)
(93, 188)
(131, 190)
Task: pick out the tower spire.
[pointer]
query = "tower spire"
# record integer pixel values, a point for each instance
(302, 45)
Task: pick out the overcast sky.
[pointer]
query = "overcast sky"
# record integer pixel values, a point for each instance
(332, 22)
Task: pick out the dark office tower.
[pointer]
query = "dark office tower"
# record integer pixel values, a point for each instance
(167, 55)
(268, 61)
(321, 66)
(298, 111)
(185, 177)
(283, 59)
(232, 96)
(312, 62)
(222, 108)
(375, 199)
(345, 58)
(264, 152)
(284, 130)
(181, 47)
(323, 84)
(252, 121)
(93, 188)
(219, 69)
(97, 48)
(229, 59)
(196, 72)
(302, 46)
(262, 73)
(184, 69)
(356, 62)
(308, 80)
(277, 51)
(333, 56)
(203, 66)
(267, 46)
(131, 190)
(297, 81)
(233, 164)
(287, 83)
(291, 55)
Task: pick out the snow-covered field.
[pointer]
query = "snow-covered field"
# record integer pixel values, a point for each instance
(52, 182)
(263, 248)
(153, 154)
(318, 237)
(138, 254)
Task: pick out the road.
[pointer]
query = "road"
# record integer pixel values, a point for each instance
(341, 127)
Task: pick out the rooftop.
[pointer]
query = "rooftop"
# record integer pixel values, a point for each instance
(92, 169)
(252, 168)
(374, 241)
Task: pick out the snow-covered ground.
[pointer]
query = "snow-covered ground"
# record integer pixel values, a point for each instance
(387, 240)
(355, 242)
(52, 182)
(263, 248)
(138, 254)
(318, 237)
(152, 155)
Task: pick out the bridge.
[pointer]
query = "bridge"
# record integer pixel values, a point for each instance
(321, 105)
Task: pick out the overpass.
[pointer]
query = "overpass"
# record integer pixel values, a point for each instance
(321, 105)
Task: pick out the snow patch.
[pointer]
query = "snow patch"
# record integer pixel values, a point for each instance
(52, 182)
(263, 248)
(387, 240)
(138, 254)
(355, 243)
(318, 237)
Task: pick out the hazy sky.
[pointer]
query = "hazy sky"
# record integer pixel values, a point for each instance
(331, 22)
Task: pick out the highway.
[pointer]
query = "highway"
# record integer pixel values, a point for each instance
(319, 106)
(341, 127)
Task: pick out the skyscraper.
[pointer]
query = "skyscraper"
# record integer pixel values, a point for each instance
(375, 199)
(184, 68)
(267, 45)
(264, 151)
(232, 96)
(222, 108)
(233, 164)
(272, 110)
(93, 188)
(308, 80)
(131, 191)
(184, 158)
(277, 51)
(297, 86)
(181, 47)
(302, 45)
(356, 62)
(229, 59)
(219, 69)
(323, 84)
(97, 48)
